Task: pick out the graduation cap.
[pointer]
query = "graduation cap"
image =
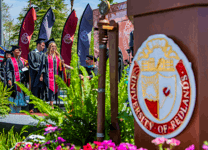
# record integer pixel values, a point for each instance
(49, 42)
(92, 58)
(14, 47)
(40, 40)
(8, 51)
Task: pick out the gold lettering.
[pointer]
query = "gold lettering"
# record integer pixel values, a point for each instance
(173, 124)
(178, 122)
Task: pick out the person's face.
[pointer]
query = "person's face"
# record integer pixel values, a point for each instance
(42, 46)
(88, 61)
(17, 52)
(53, 48)
(8, 55)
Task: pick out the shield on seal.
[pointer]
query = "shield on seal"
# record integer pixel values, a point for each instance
(159, 94)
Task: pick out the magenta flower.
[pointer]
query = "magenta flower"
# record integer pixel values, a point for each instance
(173, 142)
(142, 148)
(205, 146)
(53, 129)
(159, 140)
(49, 142)
(61, 140)
(58, 147)
(36, 145)
(44, 148)
(190, 147)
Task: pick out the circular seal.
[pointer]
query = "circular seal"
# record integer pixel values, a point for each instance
(161, 89)
(24, 38)
(84, 36)
(67, 39)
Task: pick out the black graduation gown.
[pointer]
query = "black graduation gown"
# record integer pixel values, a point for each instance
(10, 75)
(34, 60)
(89, 71)
(3, 72)
(44, 70)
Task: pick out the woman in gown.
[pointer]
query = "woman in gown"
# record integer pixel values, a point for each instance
(51, 65)
(14, 66)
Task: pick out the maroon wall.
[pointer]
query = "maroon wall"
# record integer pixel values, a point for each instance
(188, 27)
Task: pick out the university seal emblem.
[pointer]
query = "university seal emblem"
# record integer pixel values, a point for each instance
(161, 87)
(24, 38)
(67, 39)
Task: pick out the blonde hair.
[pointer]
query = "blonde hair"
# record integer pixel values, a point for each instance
(56, 52)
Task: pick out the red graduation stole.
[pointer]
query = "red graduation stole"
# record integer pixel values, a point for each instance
(16, 71)
(51, 81)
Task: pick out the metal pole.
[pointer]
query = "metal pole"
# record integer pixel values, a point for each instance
(1, 24)
(101, 83)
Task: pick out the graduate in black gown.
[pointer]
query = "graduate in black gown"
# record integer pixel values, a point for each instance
(90, 61)
(7, 54)
(51, 65)
(14, 73)
(34, 60)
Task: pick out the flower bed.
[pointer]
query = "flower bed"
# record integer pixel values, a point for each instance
(53, 140)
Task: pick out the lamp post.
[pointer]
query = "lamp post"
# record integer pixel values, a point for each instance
(103, 8)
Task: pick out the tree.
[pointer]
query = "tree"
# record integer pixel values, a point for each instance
(8, 24)
(41, 7)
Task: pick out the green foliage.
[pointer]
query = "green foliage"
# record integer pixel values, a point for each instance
(8, 24)
(8, 140)
(4, 102)
(79, 120)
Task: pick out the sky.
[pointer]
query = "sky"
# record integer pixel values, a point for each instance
(79, 6)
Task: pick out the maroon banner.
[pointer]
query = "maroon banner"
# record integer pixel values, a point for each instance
(68, 37)
(26, 31)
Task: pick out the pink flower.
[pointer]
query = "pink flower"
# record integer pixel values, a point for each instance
(97, 143)
(53, 129)
(205, 146)
(58, 147)
(61, 140)
(28, 146)
(159, 140)
(190, 147)
(87, 147)
(142, 148)
(173, 142)
(44, 148)
(36, 145)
